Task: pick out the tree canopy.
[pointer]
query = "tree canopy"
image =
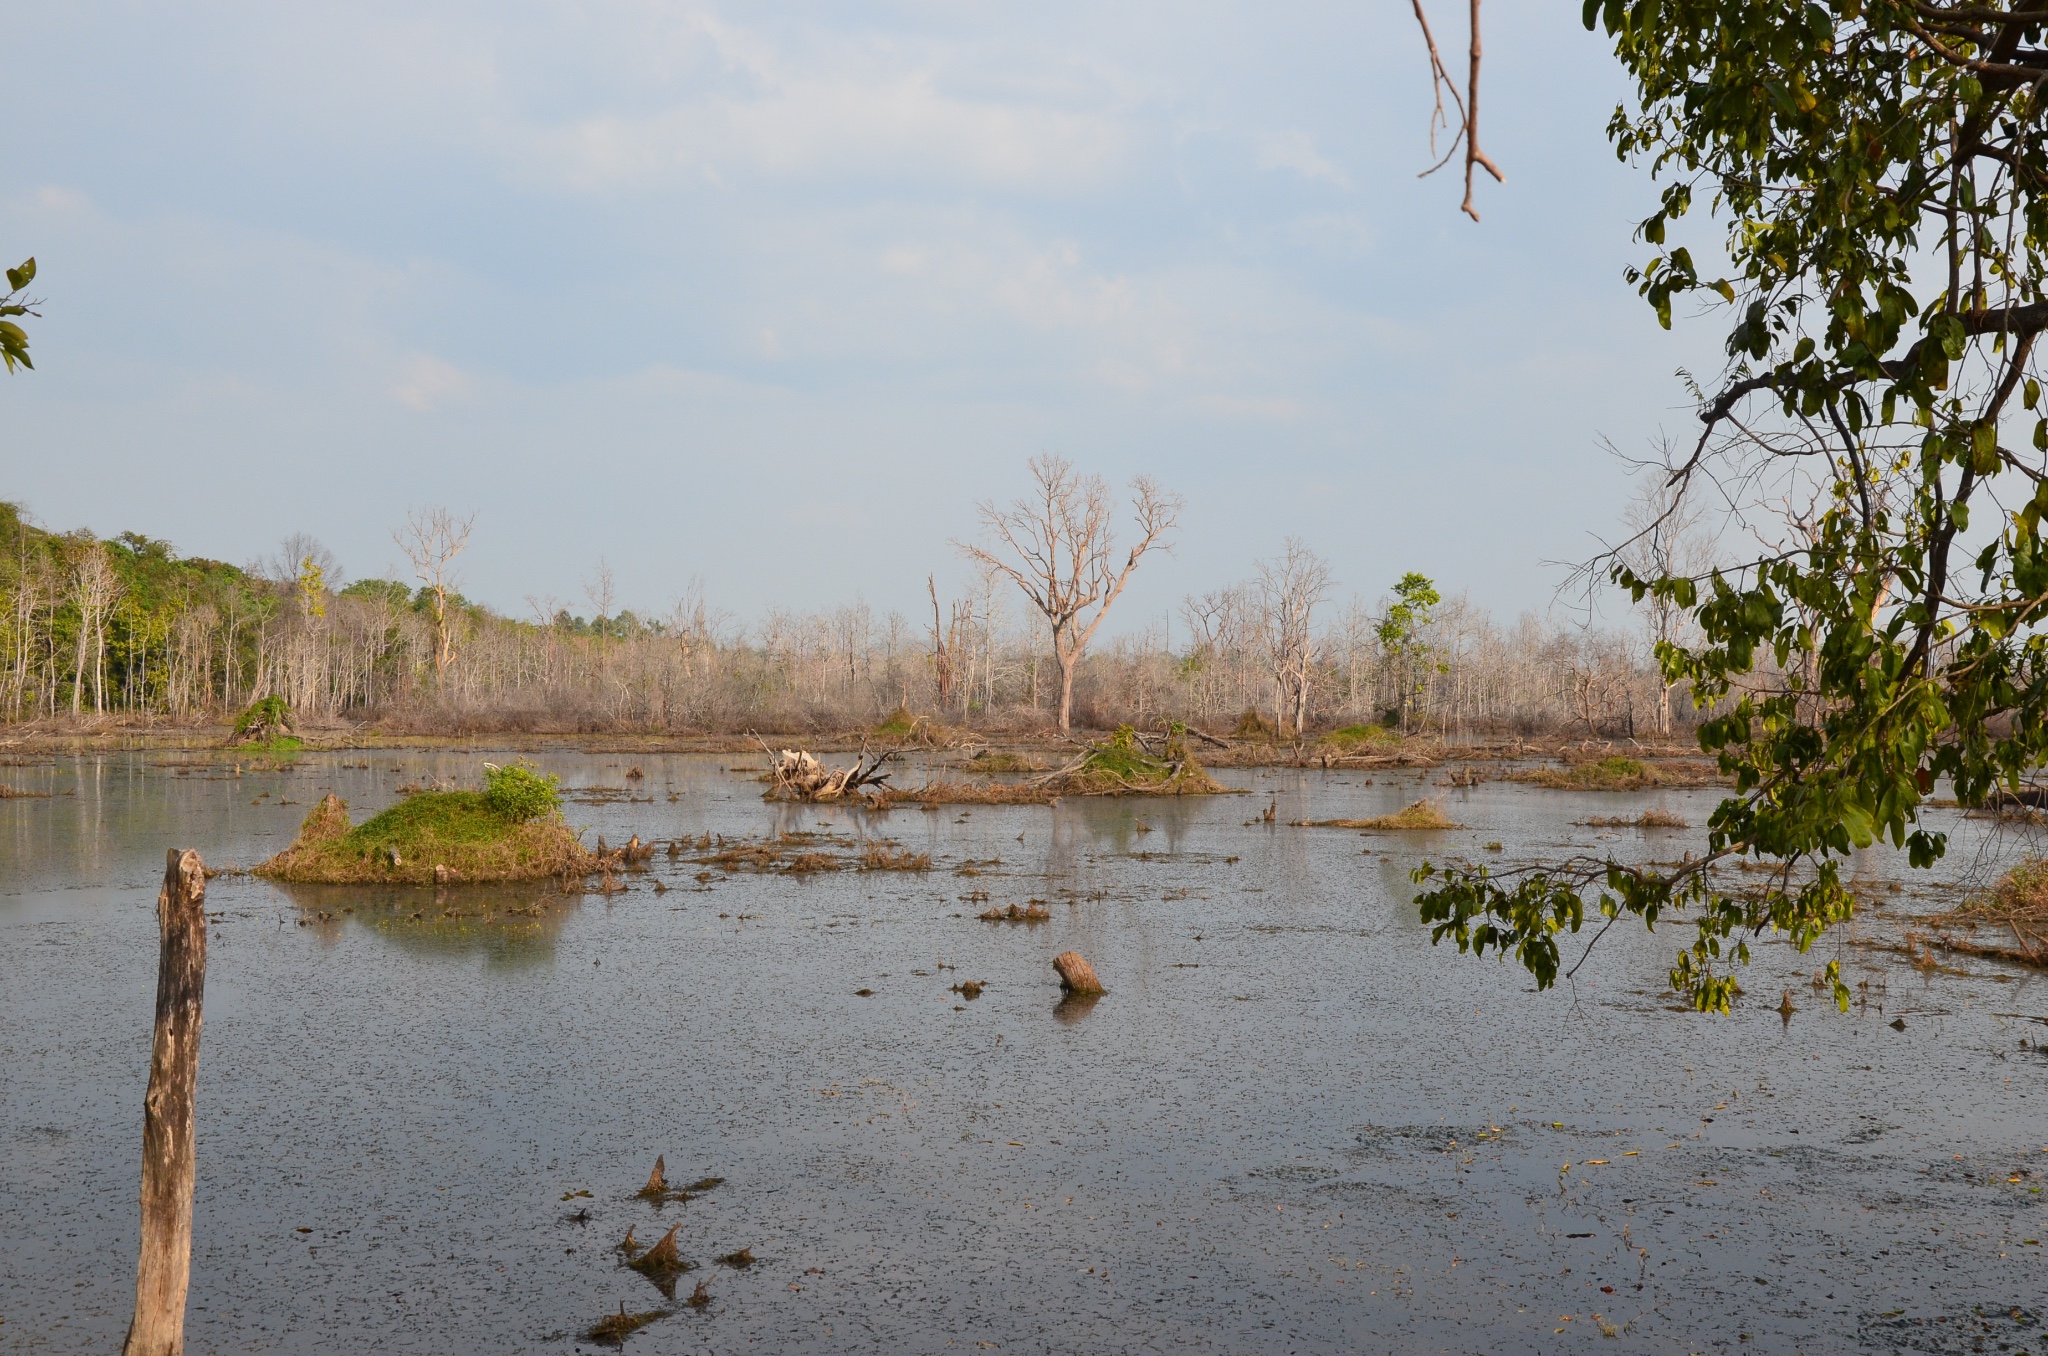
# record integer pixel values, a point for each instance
(1871, 173)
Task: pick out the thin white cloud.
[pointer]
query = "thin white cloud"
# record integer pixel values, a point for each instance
(1295, 150)
(902, 127)
(427, 383)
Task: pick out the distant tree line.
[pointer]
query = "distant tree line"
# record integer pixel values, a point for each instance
(124, 626)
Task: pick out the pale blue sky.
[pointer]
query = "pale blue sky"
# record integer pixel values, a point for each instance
(771, 294)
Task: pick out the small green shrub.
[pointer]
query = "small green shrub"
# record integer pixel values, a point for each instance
(1615, 768)
(265, 714)
(1254, 726)
(1351, 736)
(898, 724)
(518, 793)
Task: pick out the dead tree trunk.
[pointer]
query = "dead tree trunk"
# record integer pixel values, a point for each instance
(1077, 976)
(165, 1268)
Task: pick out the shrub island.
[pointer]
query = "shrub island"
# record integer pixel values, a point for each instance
(511, 830)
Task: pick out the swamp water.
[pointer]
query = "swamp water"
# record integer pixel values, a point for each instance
(1291, 1126)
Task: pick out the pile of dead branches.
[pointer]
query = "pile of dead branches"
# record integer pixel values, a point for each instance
(796, 774)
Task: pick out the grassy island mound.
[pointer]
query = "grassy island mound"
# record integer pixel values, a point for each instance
(511, 830)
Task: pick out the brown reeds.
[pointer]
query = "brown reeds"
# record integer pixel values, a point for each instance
(613, 1329)
(1034, 912)
(2009, 923)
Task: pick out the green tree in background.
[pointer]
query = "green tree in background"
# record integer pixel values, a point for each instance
(1400, 634)
(1876, 171)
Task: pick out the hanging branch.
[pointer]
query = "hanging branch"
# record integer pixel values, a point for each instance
(1440, 83)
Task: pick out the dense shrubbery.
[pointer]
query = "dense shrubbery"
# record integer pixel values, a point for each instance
(519, 793)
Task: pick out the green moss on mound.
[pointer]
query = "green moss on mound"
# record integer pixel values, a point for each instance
(460, 832)
(1612, 774)
(1353, 737)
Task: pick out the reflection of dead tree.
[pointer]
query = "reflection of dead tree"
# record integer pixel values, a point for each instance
(798, 775)
(1467, 129)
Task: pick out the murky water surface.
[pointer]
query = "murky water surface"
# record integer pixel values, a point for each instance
(1291, 1126)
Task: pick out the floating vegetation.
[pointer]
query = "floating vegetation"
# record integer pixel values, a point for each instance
(1126, 763)
(657, 1181)
(613, 1329)
(1421, 815)
(969, 989)
(660, 1192)
(1616, 774)
(662, 1264)
(1648, 819)
(742, 1259)
(1034, 912)
(700, 1298)
(801, 853)
(884, 856)
(14, 793)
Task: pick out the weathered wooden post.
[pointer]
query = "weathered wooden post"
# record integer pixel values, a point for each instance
(165, 1268)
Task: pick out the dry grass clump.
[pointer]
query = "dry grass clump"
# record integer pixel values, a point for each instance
(613, 1329)
(799, 853)
(436, 837)
(1034, 912)
(1614, 774)
(1002, 760)
(884, 856)
(1253, 725)
(1648, 819)
(968, 793)
(1423, 814)
(2016, 908)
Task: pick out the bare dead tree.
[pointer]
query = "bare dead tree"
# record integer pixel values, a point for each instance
(1666, 539)
(1466, 132)
(945, 650)
(1060, 547)
(431, 539)
(95, 588)
(601, 589)
(1290, 589)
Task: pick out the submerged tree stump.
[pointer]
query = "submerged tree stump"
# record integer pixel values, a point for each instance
(164, 1271)
(1076, 974)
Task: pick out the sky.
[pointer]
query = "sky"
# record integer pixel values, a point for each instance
(769, 296)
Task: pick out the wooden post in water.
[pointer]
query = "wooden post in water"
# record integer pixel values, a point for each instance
(165, 1269)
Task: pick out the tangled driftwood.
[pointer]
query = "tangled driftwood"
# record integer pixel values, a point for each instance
(798, 775)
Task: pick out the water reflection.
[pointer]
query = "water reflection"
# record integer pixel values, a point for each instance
(424, 1115)
(1074, 1007)
(509, 926)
